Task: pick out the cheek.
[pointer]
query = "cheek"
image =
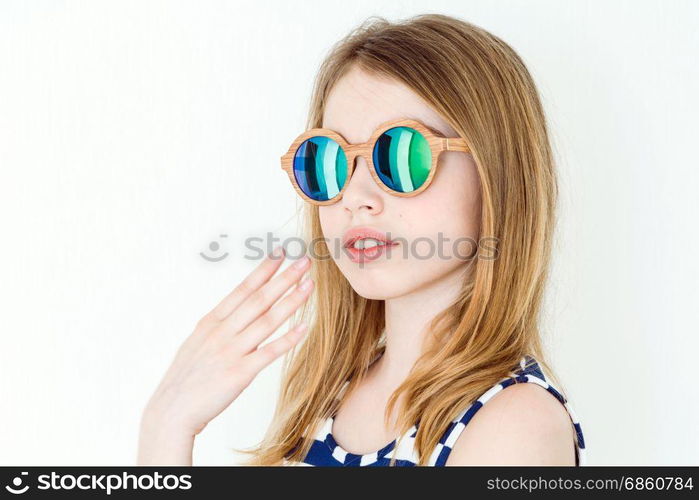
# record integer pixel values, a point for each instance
(331, 222)
(446, 213)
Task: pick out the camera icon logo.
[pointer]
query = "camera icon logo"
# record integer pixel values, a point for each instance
(17, 483)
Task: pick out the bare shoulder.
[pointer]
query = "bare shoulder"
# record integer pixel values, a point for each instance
(523, 424)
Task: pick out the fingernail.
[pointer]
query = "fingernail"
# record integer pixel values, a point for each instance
(299, 264)
(305, 284)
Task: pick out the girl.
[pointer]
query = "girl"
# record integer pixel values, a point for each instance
(429, 190)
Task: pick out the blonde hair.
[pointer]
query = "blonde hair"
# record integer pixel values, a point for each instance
(484, 91)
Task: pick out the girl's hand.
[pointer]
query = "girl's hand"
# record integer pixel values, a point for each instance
(220, 359)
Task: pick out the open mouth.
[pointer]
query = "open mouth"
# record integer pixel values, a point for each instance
(368, 249)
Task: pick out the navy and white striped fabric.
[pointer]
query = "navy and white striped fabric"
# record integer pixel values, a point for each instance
(325, 451)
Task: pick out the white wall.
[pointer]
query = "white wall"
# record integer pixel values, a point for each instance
(134, 133)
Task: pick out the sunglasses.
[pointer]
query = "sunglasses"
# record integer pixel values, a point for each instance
(402, 157)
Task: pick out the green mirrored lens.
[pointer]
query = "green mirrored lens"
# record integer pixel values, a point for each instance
(402, 158)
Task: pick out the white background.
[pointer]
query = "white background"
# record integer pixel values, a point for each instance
(132, 134)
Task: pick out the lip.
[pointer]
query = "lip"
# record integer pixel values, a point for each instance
(366, 254)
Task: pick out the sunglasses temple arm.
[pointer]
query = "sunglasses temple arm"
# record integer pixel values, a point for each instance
(456, 144)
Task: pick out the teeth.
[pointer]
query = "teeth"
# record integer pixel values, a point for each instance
(367, 243)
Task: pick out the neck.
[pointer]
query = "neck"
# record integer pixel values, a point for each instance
(407, 325)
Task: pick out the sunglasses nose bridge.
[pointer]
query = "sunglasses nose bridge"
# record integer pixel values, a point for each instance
(354, 151)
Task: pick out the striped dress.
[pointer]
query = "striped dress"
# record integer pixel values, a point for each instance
(325, 451)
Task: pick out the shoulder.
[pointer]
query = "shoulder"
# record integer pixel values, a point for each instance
(523, 424)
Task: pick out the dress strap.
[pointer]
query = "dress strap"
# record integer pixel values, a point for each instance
(529, 371)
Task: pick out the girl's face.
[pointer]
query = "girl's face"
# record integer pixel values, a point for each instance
(436, 230)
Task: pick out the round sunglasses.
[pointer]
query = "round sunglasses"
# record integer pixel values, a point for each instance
(402, 157)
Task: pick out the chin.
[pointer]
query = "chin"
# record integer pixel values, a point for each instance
(380, 288)
(373, 294)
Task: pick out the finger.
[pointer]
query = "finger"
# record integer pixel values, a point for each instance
(268, 323)
(263, 356)
(258, 277)
(261, 300)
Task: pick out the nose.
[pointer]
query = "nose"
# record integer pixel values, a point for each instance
(362, 193)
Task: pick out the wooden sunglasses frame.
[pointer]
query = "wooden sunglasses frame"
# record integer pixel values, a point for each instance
(437, 142)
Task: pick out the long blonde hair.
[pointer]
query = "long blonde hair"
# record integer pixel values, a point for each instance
(484, 91)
